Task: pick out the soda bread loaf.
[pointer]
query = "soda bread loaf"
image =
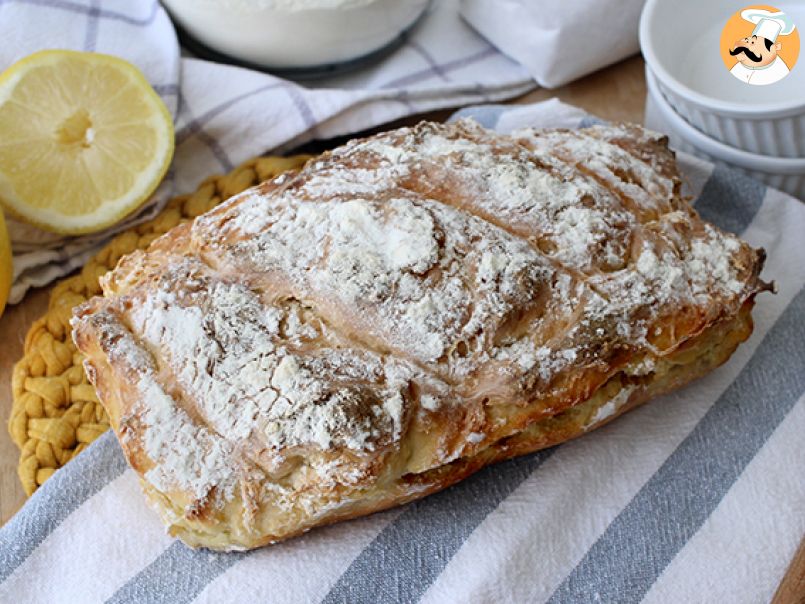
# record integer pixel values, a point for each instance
(403, 311)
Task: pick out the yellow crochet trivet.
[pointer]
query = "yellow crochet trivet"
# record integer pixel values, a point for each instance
(55, 413)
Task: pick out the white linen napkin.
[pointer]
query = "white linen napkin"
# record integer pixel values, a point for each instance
(225, 115)
(556, 40)
(693, 497)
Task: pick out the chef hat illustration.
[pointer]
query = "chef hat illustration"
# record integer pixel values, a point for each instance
(768, 25)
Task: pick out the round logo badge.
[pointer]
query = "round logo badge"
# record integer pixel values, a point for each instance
(760, 45)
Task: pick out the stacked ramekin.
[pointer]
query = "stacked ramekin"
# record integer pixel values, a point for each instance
(708, 112)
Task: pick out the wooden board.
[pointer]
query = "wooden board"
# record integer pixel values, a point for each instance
(792, 587)
(13, 326)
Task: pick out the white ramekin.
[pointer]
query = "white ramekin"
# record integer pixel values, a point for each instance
(295, 34)
(783, 173)
(680, 42)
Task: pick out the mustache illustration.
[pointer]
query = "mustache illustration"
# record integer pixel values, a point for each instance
(752, 56)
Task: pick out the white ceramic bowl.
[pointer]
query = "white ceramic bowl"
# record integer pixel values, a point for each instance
(783, 173)
(295, 34)
(680, 42)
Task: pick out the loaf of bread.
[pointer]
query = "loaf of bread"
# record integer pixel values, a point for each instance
(403, 311)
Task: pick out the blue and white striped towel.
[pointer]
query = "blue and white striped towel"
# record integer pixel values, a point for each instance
(225, 114)
(694, 497)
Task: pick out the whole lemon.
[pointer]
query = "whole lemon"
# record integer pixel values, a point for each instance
(5, 263)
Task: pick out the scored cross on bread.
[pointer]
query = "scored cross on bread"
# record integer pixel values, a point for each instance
(401, 312)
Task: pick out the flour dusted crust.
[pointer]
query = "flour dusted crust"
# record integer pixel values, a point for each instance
(403, 311)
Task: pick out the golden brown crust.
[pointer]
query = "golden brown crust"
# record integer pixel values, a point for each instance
(404, 311)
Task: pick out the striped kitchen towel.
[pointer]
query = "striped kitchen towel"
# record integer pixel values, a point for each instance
(225, 115)
(694, 497)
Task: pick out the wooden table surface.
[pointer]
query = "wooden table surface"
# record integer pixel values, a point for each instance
(616, 93)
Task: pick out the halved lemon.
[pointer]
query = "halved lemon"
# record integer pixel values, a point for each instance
(84, 140)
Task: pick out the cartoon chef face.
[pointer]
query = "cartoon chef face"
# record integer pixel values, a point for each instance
(755, 51)
(756, 55)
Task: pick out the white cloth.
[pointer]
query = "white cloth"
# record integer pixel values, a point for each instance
(761, 76)
(694, 497)
(225, 114)
(558, 40)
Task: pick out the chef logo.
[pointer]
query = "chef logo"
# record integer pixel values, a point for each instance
(760, 45)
